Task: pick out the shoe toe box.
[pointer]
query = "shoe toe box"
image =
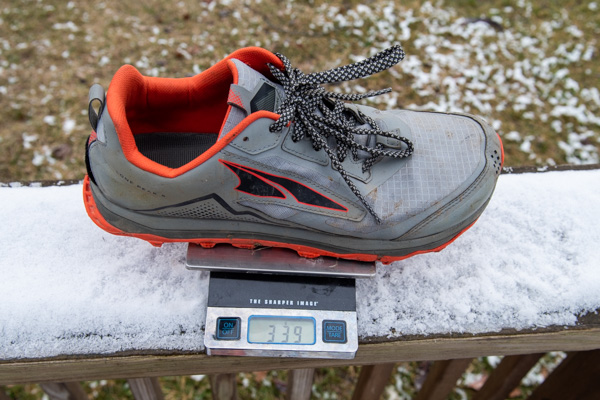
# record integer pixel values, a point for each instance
(449, 178)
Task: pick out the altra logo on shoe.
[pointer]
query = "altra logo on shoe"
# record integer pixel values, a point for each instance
(262, 184)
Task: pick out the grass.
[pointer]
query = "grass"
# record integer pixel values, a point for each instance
(534, 75)
(52, 51)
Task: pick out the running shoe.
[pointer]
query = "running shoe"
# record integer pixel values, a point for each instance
(253, 152)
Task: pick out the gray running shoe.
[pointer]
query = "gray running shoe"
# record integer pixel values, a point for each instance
(252, 152)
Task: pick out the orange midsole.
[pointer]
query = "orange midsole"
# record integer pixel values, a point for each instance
(306, 251)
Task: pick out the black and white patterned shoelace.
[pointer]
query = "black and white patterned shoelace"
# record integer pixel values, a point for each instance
(304, 96)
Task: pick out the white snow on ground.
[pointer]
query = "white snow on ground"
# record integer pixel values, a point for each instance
(67, 287)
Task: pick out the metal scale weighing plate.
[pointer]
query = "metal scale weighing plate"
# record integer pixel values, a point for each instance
(273, 303)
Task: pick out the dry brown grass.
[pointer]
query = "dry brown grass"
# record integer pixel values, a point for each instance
(51, 52)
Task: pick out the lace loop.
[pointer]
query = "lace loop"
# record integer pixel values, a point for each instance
(320, 115)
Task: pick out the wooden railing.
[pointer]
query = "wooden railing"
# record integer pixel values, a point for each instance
(577, 377)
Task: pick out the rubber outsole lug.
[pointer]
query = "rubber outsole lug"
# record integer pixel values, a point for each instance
(306, 254)
(244, 246)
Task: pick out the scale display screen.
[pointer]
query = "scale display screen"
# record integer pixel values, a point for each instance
(281, 330)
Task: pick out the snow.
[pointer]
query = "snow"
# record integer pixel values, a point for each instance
(530, 261)
(69, 25)
(68, 125)
(67, 287)
(50, 119)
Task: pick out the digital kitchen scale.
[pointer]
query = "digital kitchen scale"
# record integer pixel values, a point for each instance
(288, 306)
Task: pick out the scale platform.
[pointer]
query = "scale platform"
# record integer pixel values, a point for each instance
(273, 260)
(273, 303)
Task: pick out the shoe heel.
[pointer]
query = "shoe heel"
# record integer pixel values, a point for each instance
(94, 213)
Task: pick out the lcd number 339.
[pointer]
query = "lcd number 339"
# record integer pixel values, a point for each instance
(279, 330)
(284, 333)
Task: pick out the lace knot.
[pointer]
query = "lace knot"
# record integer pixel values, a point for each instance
(320, 115)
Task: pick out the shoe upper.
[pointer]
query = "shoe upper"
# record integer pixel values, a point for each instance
(204, 147)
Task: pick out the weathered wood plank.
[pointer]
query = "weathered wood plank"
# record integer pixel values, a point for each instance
(576, 378)
(372, 381)
(223, 386)
(549, 168)
(64, 391)
(300, 383)
(507, 375)
(133, 366)
(146, 388)
(441, 378)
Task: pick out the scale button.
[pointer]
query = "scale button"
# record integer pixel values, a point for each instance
(334, 331)
(228, 328)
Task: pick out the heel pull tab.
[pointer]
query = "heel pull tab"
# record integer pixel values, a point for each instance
(96, 95)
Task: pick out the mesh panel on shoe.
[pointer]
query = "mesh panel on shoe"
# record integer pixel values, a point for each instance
(204, 210)
(264, 99)
(447, 152)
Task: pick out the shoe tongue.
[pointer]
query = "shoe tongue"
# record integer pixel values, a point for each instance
(252, 92)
